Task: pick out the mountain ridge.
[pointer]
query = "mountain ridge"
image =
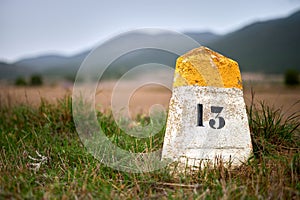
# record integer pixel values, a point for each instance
(270, 46)
(264, 46)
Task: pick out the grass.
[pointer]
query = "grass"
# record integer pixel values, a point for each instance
(42, 157)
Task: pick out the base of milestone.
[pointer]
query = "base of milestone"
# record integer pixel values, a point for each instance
(207, 126)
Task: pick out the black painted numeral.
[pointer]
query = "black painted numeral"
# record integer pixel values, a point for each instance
(212, 122)
(200, 115)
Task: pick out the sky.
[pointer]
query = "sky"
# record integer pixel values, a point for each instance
(34, 27)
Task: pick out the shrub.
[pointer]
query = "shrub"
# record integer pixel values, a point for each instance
(36, 80)
(20, 81)
(291, 77)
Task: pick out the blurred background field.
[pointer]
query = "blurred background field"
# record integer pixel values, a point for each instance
(270, 89)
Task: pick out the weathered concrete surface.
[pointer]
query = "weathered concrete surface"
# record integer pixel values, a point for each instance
(207, 116)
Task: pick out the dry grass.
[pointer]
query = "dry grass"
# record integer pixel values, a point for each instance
(271, 93)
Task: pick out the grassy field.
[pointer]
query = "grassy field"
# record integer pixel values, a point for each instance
(42, 157)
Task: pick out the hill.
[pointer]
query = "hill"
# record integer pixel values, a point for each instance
(11, 71)
(269, 47)
(55, 65)
(203, 38)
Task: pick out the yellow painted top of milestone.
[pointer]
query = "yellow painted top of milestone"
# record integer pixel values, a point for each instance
(204, 67)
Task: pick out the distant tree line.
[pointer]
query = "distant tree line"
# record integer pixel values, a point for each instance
(34, 80)
(291, 77)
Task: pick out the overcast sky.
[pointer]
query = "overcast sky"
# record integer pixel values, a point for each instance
(34, 27)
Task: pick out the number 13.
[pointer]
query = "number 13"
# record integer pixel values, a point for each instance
(214, 109)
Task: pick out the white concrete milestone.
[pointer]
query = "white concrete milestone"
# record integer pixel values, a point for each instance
(207, 120)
